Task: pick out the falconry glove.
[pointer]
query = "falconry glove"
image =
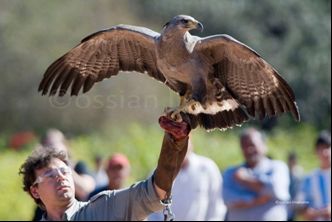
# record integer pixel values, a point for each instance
(173, 151)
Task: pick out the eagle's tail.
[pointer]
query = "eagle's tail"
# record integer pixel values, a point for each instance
(221, 120)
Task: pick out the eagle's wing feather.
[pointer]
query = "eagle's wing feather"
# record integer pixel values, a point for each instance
(247, 77)
(101, 55)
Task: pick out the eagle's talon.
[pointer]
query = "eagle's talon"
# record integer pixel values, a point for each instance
(173, 113)
(176, 116)
(168, 111)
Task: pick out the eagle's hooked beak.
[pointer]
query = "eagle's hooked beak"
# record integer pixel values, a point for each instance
(199, 26)
(194, 24)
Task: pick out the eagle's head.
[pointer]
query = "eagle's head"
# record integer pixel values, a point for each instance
(184, 23)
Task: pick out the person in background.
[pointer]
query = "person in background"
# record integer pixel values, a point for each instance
(117, 171)
(196, 191)
(100, 175)
(256, 190)
(295, 177)
(48, 179)
(315, 193)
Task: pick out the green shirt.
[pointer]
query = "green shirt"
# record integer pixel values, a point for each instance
(134, 203)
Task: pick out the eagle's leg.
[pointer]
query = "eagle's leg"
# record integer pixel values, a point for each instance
(185, 106)
(174, 112)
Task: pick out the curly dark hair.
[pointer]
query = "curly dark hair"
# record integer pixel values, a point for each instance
(40, 158)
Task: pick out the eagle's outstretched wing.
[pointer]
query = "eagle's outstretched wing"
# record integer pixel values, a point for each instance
(101, 55)
(247, 77)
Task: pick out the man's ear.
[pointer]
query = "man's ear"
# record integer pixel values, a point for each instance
(34, 192)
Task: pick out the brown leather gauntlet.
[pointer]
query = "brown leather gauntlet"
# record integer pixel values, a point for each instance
(173, 151)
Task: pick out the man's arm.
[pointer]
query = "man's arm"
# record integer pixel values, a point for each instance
(242, 177)
(236, 197)
(312, 214)
(267, 187)
(143, 198)
(306, 209)
(173, 151)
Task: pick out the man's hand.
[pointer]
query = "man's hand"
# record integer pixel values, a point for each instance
(326, 212)
(315, 214)
(243, 177)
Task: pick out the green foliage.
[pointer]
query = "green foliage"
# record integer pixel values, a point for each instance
(15, 204)
(141, 143)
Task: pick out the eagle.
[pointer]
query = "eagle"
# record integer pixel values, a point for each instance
(221, 81)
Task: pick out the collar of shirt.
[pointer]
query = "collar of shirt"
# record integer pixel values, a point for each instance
(71, 211)
(262, 165)
(68, 213)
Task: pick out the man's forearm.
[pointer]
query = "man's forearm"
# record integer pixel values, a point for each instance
(160, 192)
(171, 157)
(241, 204)
(314, 214)
(253, 184)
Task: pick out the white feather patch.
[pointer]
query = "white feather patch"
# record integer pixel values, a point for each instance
(215, 107)
(189, 41)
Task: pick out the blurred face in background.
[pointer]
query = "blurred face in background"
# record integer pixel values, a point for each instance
(253, 148)
(324, 155)
(118, 170)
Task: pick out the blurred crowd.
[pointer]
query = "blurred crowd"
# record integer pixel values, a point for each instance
(259, 189)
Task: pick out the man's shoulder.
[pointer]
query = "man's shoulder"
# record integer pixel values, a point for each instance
(203, 160)
(98, 190)
(278, 164)
(230, 170)
(314, 173)
(101, 194)
(204, 163)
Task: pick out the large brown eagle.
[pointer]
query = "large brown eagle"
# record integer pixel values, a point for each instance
(221, 81)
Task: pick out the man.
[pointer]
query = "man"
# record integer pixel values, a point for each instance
(99, 173)
(295, 177)
(196, 190)
(48, 179)
(83, 180)
(258, 189)
(117, 170)
(316, 188)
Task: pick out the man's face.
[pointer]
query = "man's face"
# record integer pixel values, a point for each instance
(117, 175)
(252, 149)
(54, 184)
(324, 153)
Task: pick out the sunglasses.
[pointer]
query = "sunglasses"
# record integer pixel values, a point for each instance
(52, 174)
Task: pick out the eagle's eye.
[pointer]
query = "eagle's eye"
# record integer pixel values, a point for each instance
(184, 21)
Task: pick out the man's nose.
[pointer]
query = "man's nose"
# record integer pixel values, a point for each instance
(60, 175)
(249, 149)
